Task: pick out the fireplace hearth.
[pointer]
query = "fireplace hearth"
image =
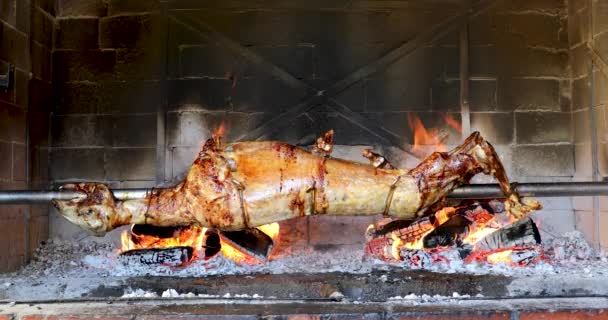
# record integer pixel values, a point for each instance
(106, 104)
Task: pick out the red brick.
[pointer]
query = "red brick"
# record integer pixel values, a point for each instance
(600, 314)
(74, 317)
(7, 316)
(456, 316)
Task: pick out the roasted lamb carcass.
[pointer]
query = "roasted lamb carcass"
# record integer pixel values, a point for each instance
(248, 184)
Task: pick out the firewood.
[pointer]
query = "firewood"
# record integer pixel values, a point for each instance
(173, 256)
(247, 184)
(519, 234)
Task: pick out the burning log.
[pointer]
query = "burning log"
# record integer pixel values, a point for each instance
(465, 221)
(248, 184)
(519, 234)
(251, 242)
(174, 256)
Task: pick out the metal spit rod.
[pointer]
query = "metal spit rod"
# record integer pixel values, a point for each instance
(473, 191)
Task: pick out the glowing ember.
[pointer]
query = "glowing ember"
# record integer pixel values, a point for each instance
(500, 257)
(232, 253)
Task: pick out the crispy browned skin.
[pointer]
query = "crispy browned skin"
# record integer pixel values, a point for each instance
(248, 184)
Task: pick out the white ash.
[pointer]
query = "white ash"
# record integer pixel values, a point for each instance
(71, 269)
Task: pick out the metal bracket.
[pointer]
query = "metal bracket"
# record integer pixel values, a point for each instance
(7, 79)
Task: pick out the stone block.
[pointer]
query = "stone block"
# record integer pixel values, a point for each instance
(21, 87)
(6, 157)
(482, 29)
(338, 230)
(20, 164)
(549, 7)
(583, 162)
(603, 159)
(41, 61)
(579, 61)
(528, 94)
(130, 31)
(247, 95)
(40, 164)
(302, 130)
(38, 126)
(181, 159)
(42, 27)
(77, 164)
(8, 12)
(399, 124)
(554, 222)
(445, 96)
(49, 6)
(424, 64)
(399, 94)
(38, 231)
(578, 26)
(482, 95)
(586, 224)
(534, 29)
(138, 64)
(353, 97)
(542, 127)
(335, 61)
(532, 62)
(131, 164)
(107, 97)
(133, 130)
(483, 61)
(544, 160)
(93, 65)
(13, 45)
(210, 60)
(600, 93)
(600, 17)
(12, 123)
(576, 5)
(79, 130)
(79, 8)
(347, 132)
(40, 96)
(582, 127)
(494, 126)
(581, 93)
(116, 7)
(77, 33)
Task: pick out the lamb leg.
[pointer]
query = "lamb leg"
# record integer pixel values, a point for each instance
(248, 184)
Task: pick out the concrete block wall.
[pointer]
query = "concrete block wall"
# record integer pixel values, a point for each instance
(107, 72)
(26, 29)
(588, 28)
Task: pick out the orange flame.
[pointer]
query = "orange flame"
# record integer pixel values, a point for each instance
(424, 136)
(230, 252)
(500, 257)
(219, 131)
(191, 236)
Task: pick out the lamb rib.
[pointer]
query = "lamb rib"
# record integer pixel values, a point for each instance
(248, 184)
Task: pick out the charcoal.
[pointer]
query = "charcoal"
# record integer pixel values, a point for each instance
(457, 228)
(173, 256)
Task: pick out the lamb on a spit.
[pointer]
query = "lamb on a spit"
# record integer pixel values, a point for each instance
(248, 184)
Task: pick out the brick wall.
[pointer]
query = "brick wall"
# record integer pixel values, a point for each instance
(109, 73)
(587, 25)
(26, 39)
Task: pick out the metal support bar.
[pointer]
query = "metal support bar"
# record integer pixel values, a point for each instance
(473, 191)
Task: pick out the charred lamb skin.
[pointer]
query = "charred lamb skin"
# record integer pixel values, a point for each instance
(248, 184)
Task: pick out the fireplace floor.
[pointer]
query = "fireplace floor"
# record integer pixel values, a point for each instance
(90, 270)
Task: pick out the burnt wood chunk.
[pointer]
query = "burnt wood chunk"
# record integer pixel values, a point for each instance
(467, 219)
(173, 256)
(252, 242)
(522, 233)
